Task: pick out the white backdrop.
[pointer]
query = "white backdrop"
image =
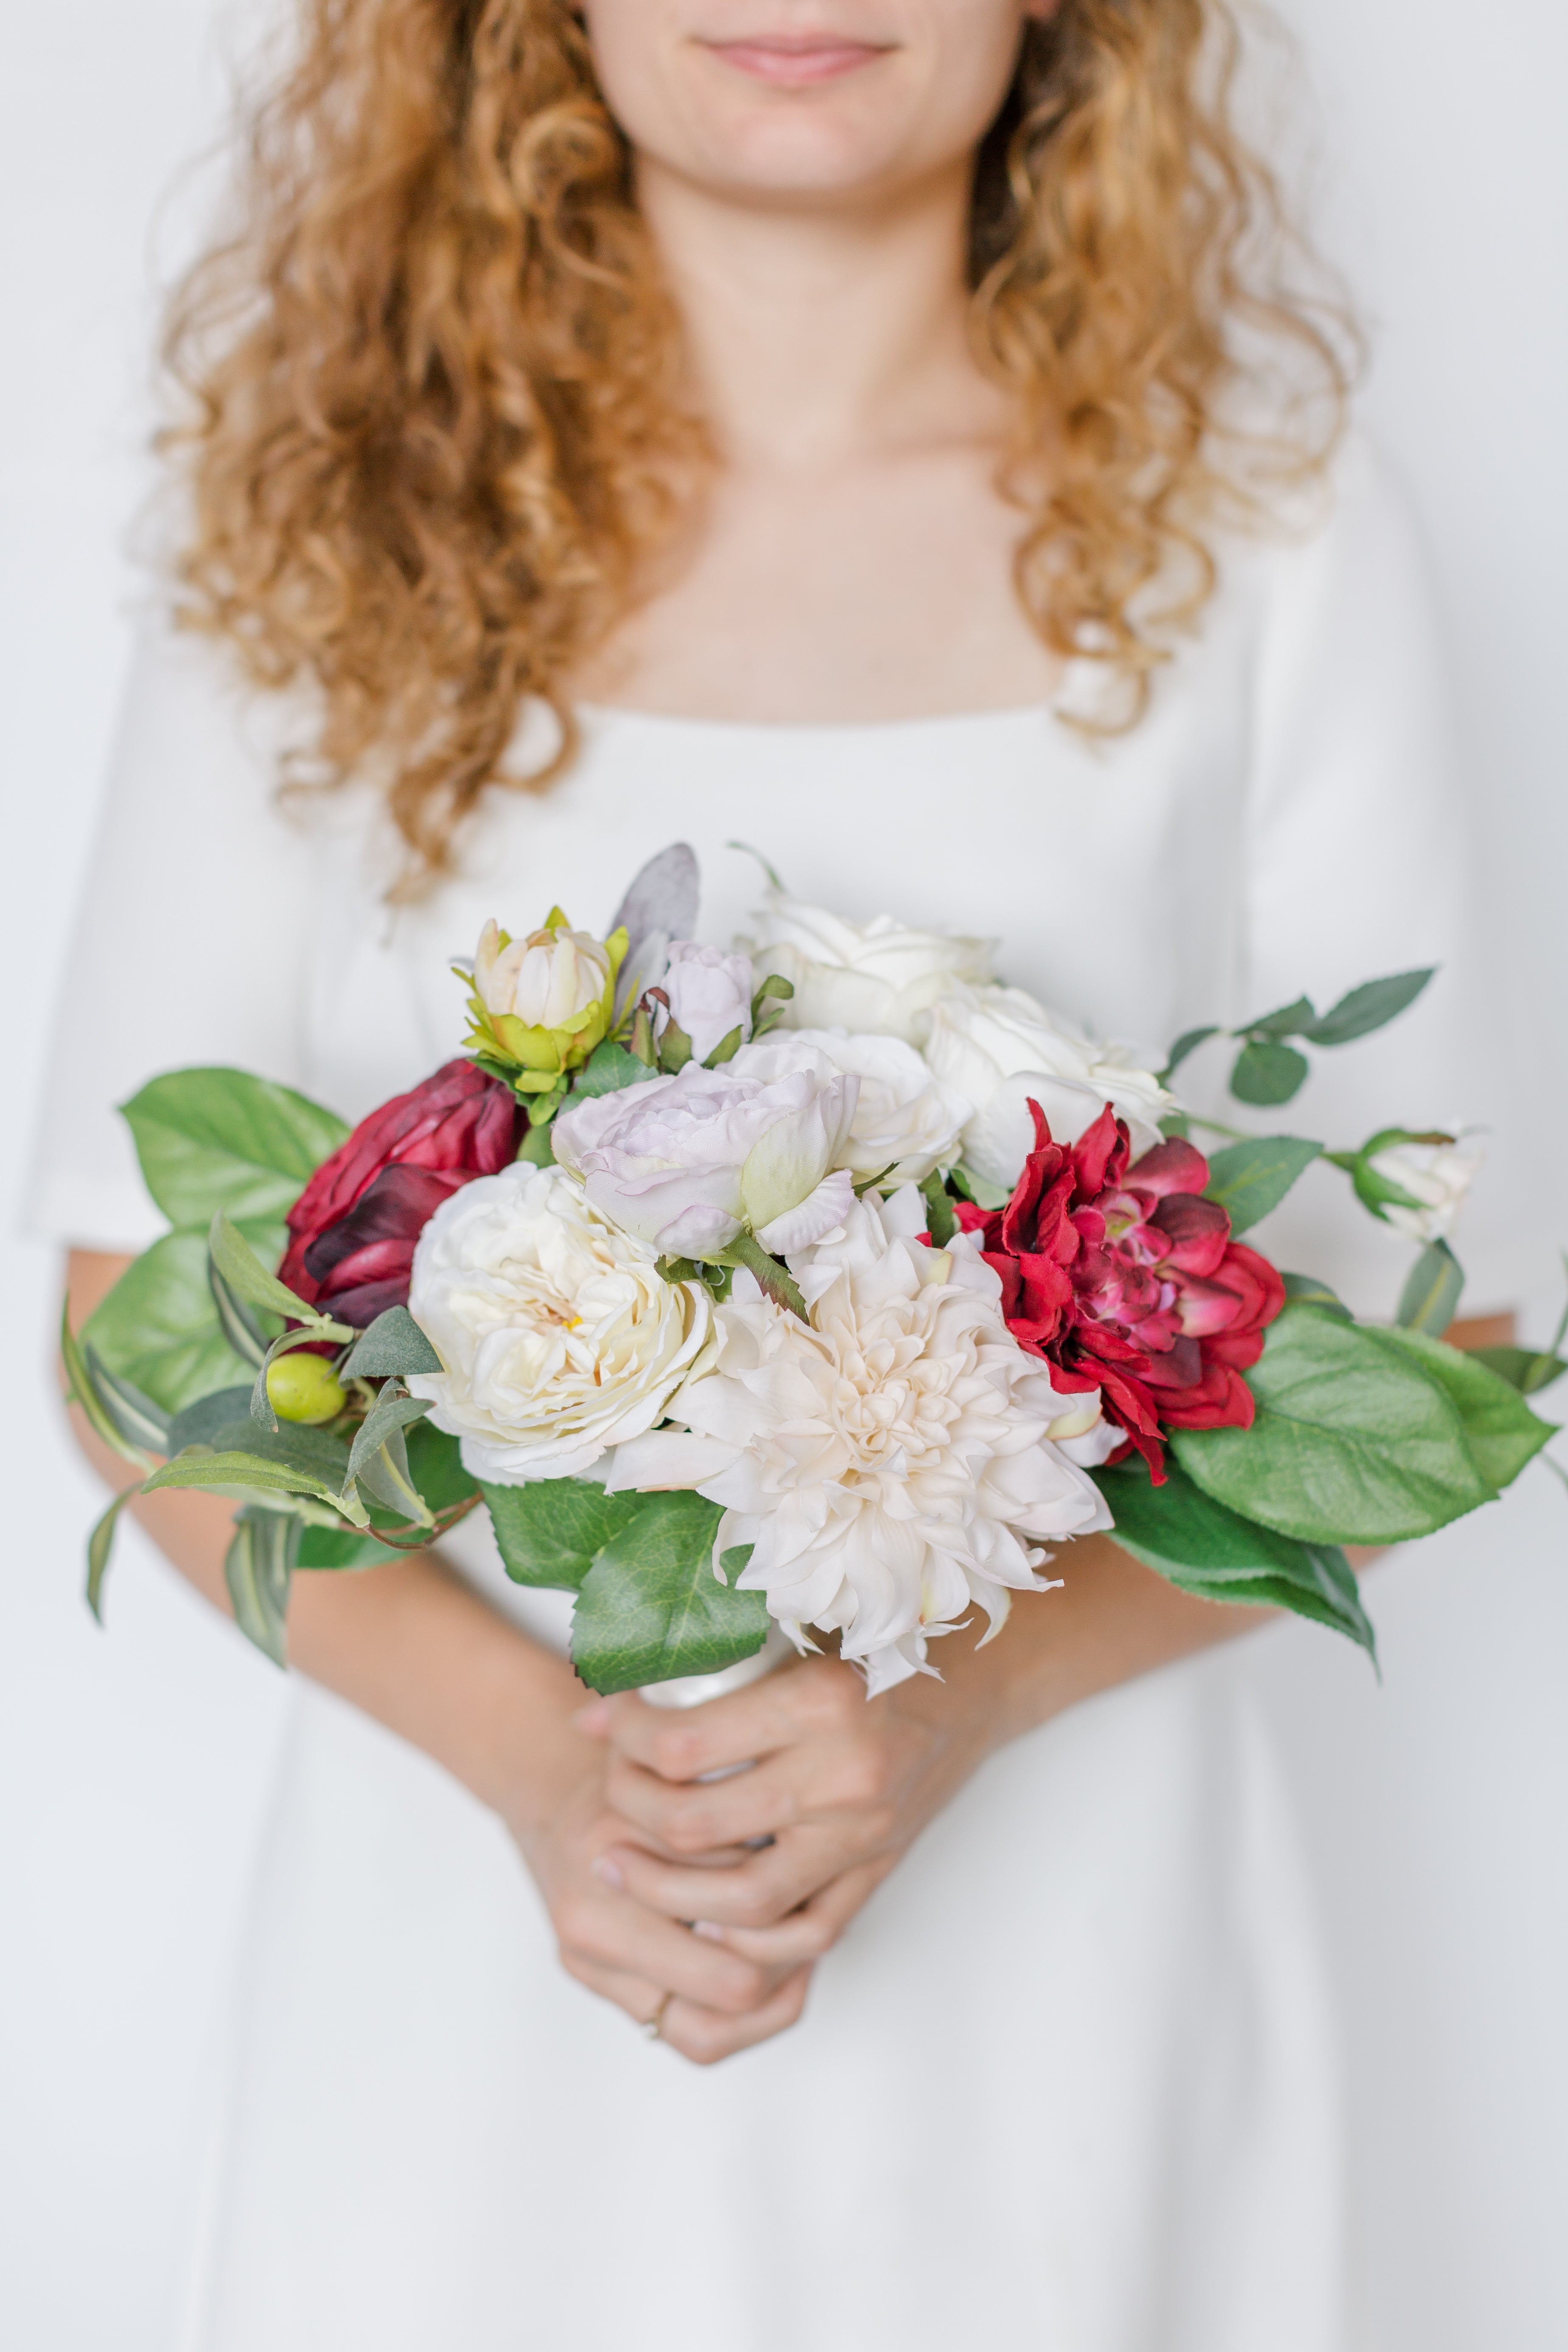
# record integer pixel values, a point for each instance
(133, 1766)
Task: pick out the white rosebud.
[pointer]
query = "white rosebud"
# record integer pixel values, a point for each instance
(557, 1335)
(710, 994)
(689, 1163)
(880, 976)
(1002, 1048)
(544, 979)
(1437, 1176)
(906, 1121)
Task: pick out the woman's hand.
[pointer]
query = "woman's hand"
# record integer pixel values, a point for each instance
(840, 1785)
(720, 2000)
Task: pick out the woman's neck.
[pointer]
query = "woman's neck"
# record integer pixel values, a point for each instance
(817, 339)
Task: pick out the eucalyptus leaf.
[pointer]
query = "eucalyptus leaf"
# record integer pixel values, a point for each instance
(665, 897)
(258, 1571)
(236, 1471)
(1248, 1180)
(140, 1422)
(384, 1473)
(551, 1531)
(1204, 1549)
(1430, 1298)
(1310, 1292)
(1528, 1369)
(315, 1453)
(216, 1138)
(85, 1390)
(1369, 1007)
(248, 1279)
(1187, 1043)
(1266, 1074)
(393, 1344)
(202, 1420)
(1503, 1432)
(393, 1410)
(159, 1328)
(650, 1607)
(1354, 1440)
(241, 1327)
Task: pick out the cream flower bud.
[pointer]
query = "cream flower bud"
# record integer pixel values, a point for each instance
(544, 979)
(710, 994)
(1437, 1176)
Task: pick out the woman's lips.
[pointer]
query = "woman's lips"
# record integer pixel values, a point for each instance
(795, 62)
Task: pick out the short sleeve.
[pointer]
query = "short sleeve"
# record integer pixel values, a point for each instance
(1357, 865)
(188, 943)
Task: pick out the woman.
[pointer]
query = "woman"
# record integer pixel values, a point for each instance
(823, 421)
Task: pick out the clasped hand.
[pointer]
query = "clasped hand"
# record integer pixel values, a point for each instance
(723, 1892)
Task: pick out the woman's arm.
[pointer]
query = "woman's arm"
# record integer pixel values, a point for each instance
(416, 1649)
(841, 1786)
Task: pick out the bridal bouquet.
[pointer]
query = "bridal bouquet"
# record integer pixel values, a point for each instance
(827, 1282)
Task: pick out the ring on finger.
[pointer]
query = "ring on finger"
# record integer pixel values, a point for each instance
(653, 2027)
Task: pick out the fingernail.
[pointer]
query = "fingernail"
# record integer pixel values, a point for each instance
(715, 1935)
(609, 1872)
(595, 1718)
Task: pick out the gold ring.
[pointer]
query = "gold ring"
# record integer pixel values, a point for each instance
(653, 2026)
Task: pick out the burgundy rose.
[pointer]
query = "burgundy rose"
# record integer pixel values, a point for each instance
(352, 1230)
(1126, 1279)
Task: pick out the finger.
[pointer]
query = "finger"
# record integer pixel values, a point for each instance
(706, 1817)
(609, 1931)
(639, 1998)
(807, 1933)
(707, 2035)
(758, 1893)
(798, 1703)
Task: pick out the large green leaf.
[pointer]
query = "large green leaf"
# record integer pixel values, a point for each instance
(215, 1139)
(1368, 1007)
(436, 1460)
(551, 1531)
(1502, 1432)
(1197, 1544)
(650, 1607)
(159, 1328)
(1354, 1440)
(1249, 1179)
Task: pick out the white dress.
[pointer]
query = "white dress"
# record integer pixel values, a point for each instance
(1069, 2082)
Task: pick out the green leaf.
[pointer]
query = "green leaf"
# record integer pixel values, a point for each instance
(393, 1344)
(1354, 1440)
(1369, 1007)
(201, 1421)
(727, 1048)
(214, 1138)
(551, 1531)
(1431, 1293)
(775, 1281)
(379, 1456)
(140, 1422)
(1503, 1432)
(538, 1148)
(650, 1607)
(1310, 1292)
(1247, 1179)
(941, 1222)
(674, 1046)
(1199, 1545)
(248, 1279)
(325, 1547)
(608, 1068)
(240, 1327)
(1293, 1020)
(159, 1328)
(1187, 1043)
(83, 1387)
(258, 1571)
(100, 1544)
(1525, 1369)
(236, 1470)
(978, 1189)
(293, 1445)
(1266, 1074)
(436, 1461)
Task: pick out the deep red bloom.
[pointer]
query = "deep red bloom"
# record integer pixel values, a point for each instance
(1127, 1280)
(352, 1232)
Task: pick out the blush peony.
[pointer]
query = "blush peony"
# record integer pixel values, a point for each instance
(906, 1122)
(892, 1460)
(558, 1336)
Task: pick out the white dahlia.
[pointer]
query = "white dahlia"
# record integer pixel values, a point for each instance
(892, 1460)
(557, 1333)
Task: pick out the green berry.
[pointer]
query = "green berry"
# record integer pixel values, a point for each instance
(303, 1388)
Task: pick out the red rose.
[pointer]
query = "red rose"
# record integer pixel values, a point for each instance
(352, 1232)
(1126, 1279)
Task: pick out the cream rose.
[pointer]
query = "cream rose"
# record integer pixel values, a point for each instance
(557, 1335)
(906, 1121)
(1002, 1048)
(880, 976)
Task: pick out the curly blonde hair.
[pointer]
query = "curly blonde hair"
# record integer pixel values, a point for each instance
(437, 429)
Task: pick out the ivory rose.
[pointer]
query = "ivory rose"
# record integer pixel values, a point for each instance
(689, 1163)
(880, 976)
(892, 1460)
(558, 1336)
(1002, 1048)
(906, 1122)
